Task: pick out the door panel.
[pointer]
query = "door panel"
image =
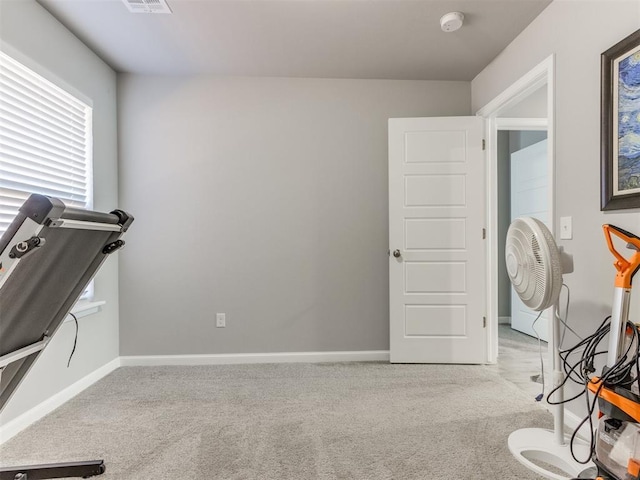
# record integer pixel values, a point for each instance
(436, 217)
(435, 320)
(434, 233)
(435, 190)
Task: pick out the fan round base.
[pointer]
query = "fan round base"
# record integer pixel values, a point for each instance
(536, 449)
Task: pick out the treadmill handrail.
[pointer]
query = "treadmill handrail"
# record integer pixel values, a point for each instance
(23, 352)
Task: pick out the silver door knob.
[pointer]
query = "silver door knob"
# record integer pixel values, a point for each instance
(396, 253)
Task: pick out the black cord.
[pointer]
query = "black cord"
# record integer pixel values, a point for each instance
(565, 321)
(75, 340)
(581, 370)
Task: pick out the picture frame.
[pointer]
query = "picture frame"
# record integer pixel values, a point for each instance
(620, 125)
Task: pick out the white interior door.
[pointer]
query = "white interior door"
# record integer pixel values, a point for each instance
(529, 197)
(436, 221)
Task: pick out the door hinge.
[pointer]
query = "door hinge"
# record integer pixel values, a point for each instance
(484, 233)
(484, 322)
(484, 144)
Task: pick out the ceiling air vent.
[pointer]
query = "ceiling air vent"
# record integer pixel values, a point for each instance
(147, 6)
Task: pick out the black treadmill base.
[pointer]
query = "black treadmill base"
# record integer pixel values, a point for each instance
(54, 470)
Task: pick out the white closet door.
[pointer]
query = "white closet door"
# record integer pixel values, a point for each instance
(529, 197)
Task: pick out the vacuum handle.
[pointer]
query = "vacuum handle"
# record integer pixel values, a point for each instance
(626, 268)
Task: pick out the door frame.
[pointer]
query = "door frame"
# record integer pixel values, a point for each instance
(541, 75)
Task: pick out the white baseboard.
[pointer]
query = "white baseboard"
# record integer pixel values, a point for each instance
(239, 358)
(15, 426)
(504, 320)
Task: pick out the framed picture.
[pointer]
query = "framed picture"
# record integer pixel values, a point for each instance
(620, 127)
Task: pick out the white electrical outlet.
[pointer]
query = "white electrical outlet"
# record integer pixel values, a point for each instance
(221, 320)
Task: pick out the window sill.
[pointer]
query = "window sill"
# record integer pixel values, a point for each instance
(85, 308)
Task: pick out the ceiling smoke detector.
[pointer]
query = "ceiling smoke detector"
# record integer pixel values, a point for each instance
(451, 21)
(147, 6)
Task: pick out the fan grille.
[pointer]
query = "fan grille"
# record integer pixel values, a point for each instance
(533, 263)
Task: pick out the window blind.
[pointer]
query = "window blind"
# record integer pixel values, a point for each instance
(45, 141)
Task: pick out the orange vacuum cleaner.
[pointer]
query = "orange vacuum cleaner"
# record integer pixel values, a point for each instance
(616, 447)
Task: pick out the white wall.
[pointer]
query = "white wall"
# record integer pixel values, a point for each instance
(576, 32)
(33, 36)
(266, 199)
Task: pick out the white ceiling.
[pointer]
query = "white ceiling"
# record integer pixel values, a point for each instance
(383, 39)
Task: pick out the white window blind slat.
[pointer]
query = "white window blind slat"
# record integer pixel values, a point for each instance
(7, 195)
(9, 204)
(6, 217)
(48, 190)
(13, 199)
(36, 166)
(46, 128)
(14, 93)
(13, 179)
(47, 90)
(19, 96)
(32, 139)
(20, 147)
(75, 185)
(41, 91)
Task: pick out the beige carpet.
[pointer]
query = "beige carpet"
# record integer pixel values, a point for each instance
(289, 421)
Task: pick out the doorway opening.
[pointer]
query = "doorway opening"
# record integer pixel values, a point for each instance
(522, 191)
(517, 121)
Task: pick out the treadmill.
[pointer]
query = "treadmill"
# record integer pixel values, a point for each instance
(48, 256)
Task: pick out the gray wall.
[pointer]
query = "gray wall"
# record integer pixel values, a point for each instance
(594, 27)
(504, 219)
(266, 199)
(519, 139)
(33, 36)
(533, 106)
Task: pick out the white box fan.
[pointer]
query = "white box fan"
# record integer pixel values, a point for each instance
(535, 265)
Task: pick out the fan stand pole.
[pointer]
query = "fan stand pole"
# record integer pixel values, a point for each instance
(558, 377)
(538, 448)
